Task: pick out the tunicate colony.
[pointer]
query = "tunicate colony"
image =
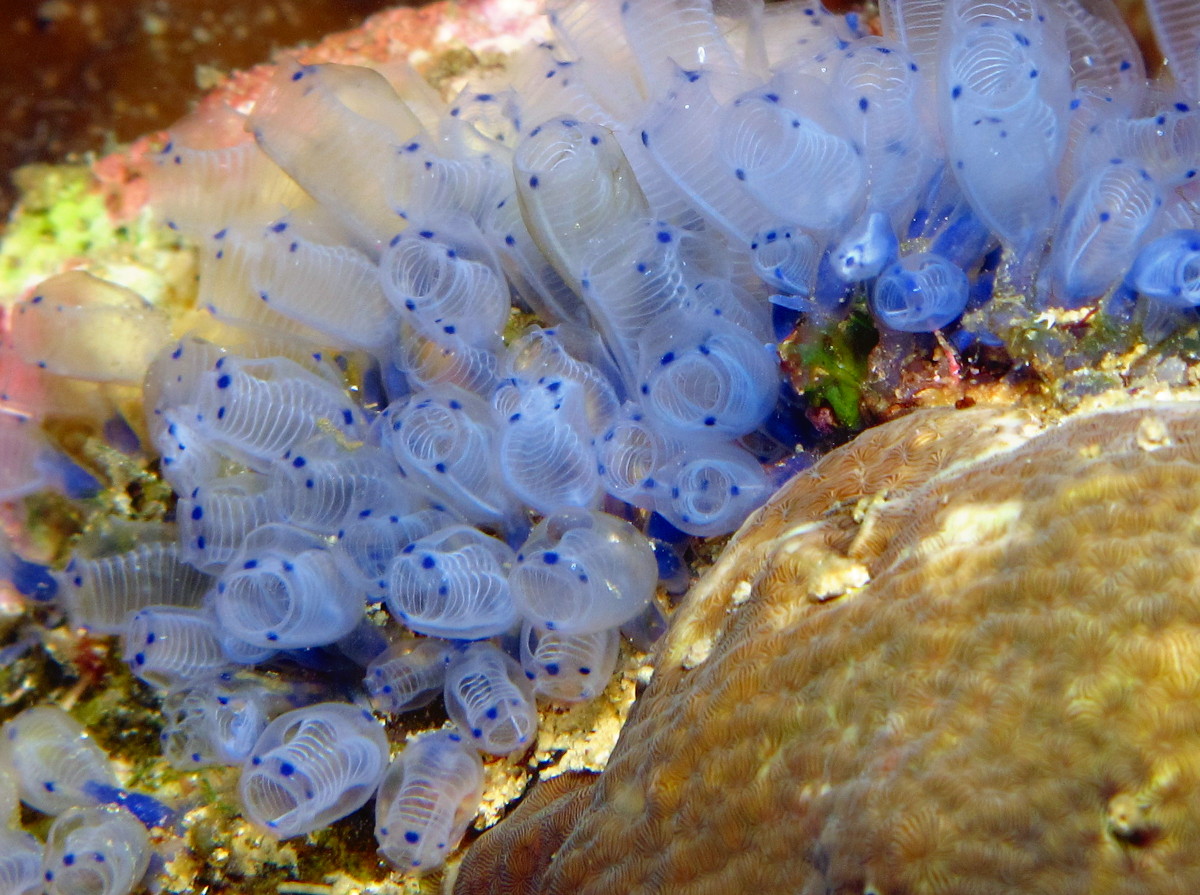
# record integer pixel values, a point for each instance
(365, 428)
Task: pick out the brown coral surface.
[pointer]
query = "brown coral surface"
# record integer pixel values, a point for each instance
(960, 655)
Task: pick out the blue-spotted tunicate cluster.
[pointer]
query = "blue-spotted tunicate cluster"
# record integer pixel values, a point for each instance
(98, 842)
(468, 374)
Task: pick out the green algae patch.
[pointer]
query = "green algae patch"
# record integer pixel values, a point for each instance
(59, 216)
(828, 365)
(60, 222)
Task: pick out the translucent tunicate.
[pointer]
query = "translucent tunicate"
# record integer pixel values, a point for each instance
(582, 571)
(1005, 93)
(920, 293)
(453, 583)
(488, 696)
(628, 454)
(865, 250)
(287, 588)
(574, 185)
(707, 376)
(217, 719)
(678, 132)
(8, 789)
(710, 491)
(1176, 26)
(258, 410)
(312, 766)
(167, 644)
(197, 188)
(335, 129)
(100, 593)
(572, 352)
(428, 796)
(1105, 217)
(97, 851)
(409, 674)
(215, 517)
(1168, 269)
(668, 34)
(568, 667)
(546, 454)
(332, 288)
(877, 91)
(81, 326)
(20, 863)
(54, 759)
(445, 438)
(631, 276)
(765, 144)
(324, 487)
(372, 542)
(445, 285)
(787, 259)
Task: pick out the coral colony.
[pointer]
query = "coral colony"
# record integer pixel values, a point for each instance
(360, 422)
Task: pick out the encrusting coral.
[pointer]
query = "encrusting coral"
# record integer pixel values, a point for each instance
(957, 655)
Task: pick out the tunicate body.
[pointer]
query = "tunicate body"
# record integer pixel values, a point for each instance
(167, 644)
(453, 583)
(707, 490)
(54, 759)
(445, 438)
(98, 851)
(702, 377)
(545, 450)
(920, 293)
(568, 668)
(1168, 269)
(312, 766)
(489, 698)
(1104, 219)
(286, 588)
(100, 593)
(409, 674)
(583, 571)
(428, 796)
(216, 719)
(20, 863)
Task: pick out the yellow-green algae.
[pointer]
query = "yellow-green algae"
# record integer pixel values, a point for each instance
(60, 221)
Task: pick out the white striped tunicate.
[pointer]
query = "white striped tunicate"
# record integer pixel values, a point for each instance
(20, 863)
(322, 487)
(582, 571)
(444, 437)
(97, 851)
(920, 293)
(54, 759)
(488, 696)
(288, 588)
(216, 719)
(100, 593)
(409, 674)
(568, 667)
(1168, 269)
(312, 766)
(167, 644)
(428, 796)
(453, 583)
